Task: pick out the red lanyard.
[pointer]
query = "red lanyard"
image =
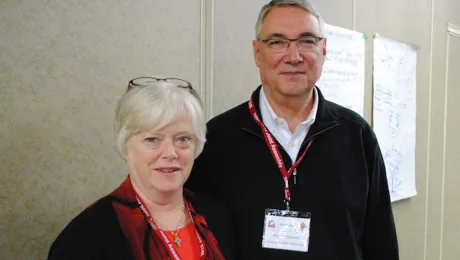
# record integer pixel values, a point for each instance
(276, 153)
(164, 238)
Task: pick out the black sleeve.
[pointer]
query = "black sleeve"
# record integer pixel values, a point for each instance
(379, 236)
(93, 234)
(200, 179)
(70, 244)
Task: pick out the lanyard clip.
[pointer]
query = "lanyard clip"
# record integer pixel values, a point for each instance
(295, 175)
(287, 192)
(287, 205)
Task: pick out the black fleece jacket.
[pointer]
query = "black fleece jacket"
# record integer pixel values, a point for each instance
(341, 182)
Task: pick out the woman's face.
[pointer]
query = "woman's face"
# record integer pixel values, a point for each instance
(159, 162)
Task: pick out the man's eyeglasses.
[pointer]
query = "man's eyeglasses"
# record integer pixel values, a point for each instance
(280, 45)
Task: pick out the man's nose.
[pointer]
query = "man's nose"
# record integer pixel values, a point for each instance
(293, 54)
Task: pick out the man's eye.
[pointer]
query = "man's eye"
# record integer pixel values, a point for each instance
(276, 43)
(307, 41)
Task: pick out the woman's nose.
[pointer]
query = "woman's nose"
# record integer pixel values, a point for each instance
(169, 151)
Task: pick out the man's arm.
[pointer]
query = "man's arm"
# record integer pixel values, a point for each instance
(379, 235)
(199, 177)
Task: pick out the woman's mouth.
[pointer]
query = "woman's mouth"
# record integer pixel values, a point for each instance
(168, 170)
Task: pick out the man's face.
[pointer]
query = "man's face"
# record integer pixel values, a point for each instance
(293, 72)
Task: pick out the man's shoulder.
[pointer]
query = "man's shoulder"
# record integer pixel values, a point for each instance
(239, 113)
(203, 201)
(352, 121)
(346, 115)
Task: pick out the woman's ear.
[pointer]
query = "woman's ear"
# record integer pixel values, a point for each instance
(124, 152)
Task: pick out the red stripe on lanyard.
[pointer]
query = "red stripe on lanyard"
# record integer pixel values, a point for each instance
(271, 143)
(164, 238)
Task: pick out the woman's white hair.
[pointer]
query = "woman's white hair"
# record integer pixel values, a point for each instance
(155, 106)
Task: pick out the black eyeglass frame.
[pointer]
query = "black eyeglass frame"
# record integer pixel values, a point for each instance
(174, 81)
(296, 40)
(132, 83)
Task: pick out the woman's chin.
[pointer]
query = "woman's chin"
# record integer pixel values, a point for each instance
(169, 187)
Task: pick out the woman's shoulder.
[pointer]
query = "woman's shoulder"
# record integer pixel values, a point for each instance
(93, 218)
(86, 234)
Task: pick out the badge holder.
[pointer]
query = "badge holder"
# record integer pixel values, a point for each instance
(286, 230)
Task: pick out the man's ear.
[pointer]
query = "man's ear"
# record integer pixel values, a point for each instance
(256, 52)
(324, 47)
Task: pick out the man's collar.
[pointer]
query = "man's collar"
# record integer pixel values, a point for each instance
(324, 117)
(269, 116)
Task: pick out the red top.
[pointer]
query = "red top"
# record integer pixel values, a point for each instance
(190, 247)
(144, 240)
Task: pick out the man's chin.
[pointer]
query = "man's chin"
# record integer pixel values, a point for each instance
(294, 88)
(293, 81)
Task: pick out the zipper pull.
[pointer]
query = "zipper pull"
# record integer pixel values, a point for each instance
(295, 176)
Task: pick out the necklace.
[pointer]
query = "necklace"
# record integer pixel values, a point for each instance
(171, 250)
(175, 232)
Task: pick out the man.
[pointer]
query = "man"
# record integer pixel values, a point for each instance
(303, 178)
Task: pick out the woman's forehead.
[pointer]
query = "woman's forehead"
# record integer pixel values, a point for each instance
(182, 124)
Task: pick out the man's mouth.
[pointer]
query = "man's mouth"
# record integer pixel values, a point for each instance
(292, 72)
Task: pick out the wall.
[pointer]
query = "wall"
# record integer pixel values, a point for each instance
(63, 65)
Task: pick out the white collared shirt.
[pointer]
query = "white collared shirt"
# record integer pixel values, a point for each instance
(291, 142)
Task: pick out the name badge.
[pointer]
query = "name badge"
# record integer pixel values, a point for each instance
(286, 230)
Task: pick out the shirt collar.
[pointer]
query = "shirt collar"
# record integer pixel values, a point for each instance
(269, 116)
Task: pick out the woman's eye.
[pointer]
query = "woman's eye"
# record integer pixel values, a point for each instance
(151, 139)
(184, 139)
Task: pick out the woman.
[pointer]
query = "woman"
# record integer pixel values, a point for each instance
(160, 130)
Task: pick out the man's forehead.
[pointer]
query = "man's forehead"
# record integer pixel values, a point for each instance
(282, 20)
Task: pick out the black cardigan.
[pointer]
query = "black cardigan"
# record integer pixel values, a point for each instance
(96, 233)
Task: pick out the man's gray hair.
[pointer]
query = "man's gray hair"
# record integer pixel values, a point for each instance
(303, 4)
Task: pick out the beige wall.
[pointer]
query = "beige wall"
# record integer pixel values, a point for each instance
(63, 64)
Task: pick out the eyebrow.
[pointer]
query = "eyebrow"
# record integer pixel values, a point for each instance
(308, 34)
(280, 35)
(185, 132)
(161, 133)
